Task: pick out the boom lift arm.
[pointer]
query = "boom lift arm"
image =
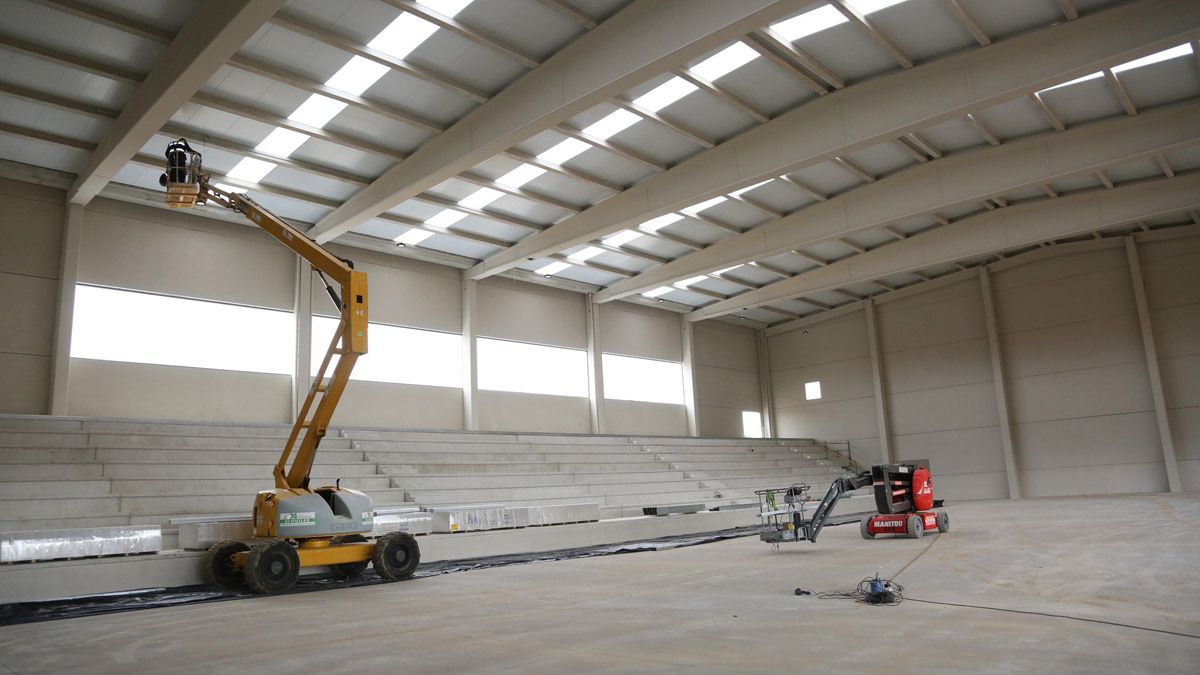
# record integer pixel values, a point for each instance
(187, 185)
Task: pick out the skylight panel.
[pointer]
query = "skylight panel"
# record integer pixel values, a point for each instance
(281, 142)
(553, 268)
(412, 237)
(706, 204)
(449, 8)
(688, 282)
(403, 35)
(445, 218)
(727, 269)
(480, 198)
(1085, 78)
(725, 61)
(317, 111)
(230, 188)
(357, 75)
(621, 238)
(585, 254)
(1154, 58)
(658, 291)
(520, 175)
(738, 193)
(612, 124)
(665, 94)
(656, 224)
(563, 151)
(808, 23)
(251, 169)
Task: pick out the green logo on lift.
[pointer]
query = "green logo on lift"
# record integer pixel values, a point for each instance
(298, 519)
(368, 517)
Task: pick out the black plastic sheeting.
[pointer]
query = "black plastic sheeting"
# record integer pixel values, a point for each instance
(31, 612)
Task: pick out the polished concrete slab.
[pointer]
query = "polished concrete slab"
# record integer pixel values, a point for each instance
(723, 607)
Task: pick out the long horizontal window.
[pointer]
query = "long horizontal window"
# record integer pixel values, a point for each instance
(632, 379)
(531, 369)
(397, 355)
(114, 325)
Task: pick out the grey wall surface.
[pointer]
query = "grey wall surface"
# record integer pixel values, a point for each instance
(31, 225)
(726, 365)
(644, 332)
(1078, 388)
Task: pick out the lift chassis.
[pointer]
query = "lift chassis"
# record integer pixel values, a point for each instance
(297, 526)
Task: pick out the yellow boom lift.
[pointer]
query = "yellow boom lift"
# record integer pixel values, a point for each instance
(296, 526)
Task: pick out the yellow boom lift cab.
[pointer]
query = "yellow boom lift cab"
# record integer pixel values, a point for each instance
(296, 526)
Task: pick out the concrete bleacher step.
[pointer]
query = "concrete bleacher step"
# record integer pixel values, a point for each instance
(202, 442)
(260, 470)
(60, 507)
(15, 490)
(245, 486)
(792, 473)
(221, 503)
(497, 495)
(51, 471)
(39, 423)
(21, 455)
(43, 439)
(455, 469)
(64, 523)
(819, 482)
(193, 455)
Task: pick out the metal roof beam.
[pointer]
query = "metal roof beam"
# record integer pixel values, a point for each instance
(874, 111)
(731, 99)
(864, 24)
(110, 19)
(692, 136)
(571, 12)
(968, 22)
(475, 35)
(983, 234)
(768, 37)
(204, 44)
(770, 51)
(73, 61)
(641, 41)
(926, 189)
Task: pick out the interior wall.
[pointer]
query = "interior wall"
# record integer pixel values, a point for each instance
(31, 225)
(1079, 395)
(644, 332)
(726, 365)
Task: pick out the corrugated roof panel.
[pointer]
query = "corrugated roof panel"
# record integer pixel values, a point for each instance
(881, 159)
(1184, 158)
(355, 161)
(954, 135)
(1013, 119)
(1002, 19)
(1077, 182)
(1163, 82)
(766, 86)
(848, 52)
(457, 246)
(169, 15)
(826, 178)
(1134, 170)
(39, 75)
(53, 120)
(1083, 102)
(923, 29)
(535, 28)
(69, 33)
(41, 153)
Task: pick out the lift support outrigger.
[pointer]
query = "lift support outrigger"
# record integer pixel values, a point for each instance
(296, 526)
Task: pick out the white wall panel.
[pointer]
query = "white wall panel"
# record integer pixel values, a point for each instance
(955, 487)
(1109, 390)
(835, 340)
(1065, 299)
(1181, 381)
(941, 365)
(852, 419)
(1093, 480)
(632, 330)
(27, 305)
(724, 346)
(726, 369)
(953, 315)
(26, 386)
(965, 406)
(840, 380)
(636, 417)
(725, 388)
(1076, 346)
(31, 221)
(955, 451)
(403, 292)
(1185, 429)
(400, 406)
(507, 411)
(719, 422)
(1090, 441)
(512, 310)
(1177, 330)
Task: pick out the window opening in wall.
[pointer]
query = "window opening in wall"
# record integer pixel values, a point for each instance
(628, 378)
(812, 390)
(137, 327)
(752, 424)
(527, 368)
(398, 355)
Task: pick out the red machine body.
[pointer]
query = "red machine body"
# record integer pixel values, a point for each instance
(904, 497)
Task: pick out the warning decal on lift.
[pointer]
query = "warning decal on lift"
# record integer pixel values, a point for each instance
(298, 518)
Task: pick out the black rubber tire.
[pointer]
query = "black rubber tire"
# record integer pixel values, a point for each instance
(271, 567)
(943, 521)
(396, 556)
(349, 570)
(864, 528)
(916, 526)
(219, 569)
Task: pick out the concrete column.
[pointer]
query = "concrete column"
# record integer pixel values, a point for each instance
(1006, 440)
(881, 416)
(470, 370)
(595, 365)
(766, 391)
(68, 275)
(302, 312)
(689, 375)
(1156, 388)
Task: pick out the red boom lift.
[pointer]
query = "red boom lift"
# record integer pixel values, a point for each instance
(904, 498)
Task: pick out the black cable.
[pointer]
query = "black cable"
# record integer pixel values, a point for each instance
(1057, 616)
(871, 591)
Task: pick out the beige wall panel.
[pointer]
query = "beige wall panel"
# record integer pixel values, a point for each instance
(637, 417)
(720, 422)
(1172, 281)
(724, 346)
(400, 406)
(1181, 381)
(1090, 441)
(1185, 430)
(512, 310)
(964, 406)
(840, 380)
(1059, 267)
(30, 231)
(829, 421)
(510, 411)
(1177, 330)
(970, 486)
(1169, 248)
(640, 331)
(141, 248)
(834, 340)
(26, 388)
(944, 365)
(408, 294)
(936, 296)
(960, 451)
(932, 324)
(1091, 480)
(1108, 390)
(1062, 301)
(113, 389)
(1189, 474)
(29, 306)
(726, 388)
(1089, 344)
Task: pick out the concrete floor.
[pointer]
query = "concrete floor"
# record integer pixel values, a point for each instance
(723, 607)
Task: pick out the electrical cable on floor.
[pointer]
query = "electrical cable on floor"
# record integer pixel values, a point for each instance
(871, 591)
(1056, 616)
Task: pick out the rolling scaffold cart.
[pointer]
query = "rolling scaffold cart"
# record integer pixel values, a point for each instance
(791, 520)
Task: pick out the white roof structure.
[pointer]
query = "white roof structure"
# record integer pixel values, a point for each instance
(764, 160)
